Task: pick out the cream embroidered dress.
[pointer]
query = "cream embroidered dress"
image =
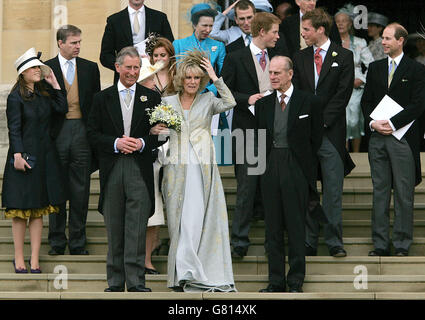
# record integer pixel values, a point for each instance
(199, 258)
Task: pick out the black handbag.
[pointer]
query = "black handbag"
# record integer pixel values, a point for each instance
(28, 158)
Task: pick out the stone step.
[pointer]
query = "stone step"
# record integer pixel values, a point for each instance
(249, 265)
(11, 282)
(351, 228)
(350, 211)
(350, 195)
(173, 297)
(355, 246)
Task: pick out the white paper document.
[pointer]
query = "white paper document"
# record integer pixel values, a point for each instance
(385, 110)
(252, 108)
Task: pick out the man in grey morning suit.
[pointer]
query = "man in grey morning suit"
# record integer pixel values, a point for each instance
(394, 163)
(119, 128)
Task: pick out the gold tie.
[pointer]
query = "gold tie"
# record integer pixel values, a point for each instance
(391, 75)
(136, 25)
(127, 99)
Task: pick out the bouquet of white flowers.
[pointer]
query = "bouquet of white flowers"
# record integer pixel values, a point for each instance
(165, 114)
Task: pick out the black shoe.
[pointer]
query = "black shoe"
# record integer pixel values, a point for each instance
(295, 289)
(23, 270)
(38, 270)
(401, 253)
(56, 251)
(309, 251)
(114, 289)
(177, 289)
(338, 252)
(151, 271)
(239, 252)
(79, 252)
(378, 253)
(139, 288)
(272, 288)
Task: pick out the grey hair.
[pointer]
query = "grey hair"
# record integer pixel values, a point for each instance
(127, 51)
(288, 62)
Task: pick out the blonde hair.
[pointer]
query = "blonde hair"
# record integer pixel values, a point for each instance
(190, 62)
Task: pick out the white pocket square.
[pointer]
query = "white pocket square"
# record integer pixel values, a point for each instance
(303, 116)
(404, 80)
(334, 64)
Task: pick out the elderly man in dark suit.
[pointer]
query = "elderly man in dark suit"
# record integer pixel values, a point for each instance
(327, 70)
(130, 27)
(294, 128)
(245, 72)
(79, 80)
(394, 162)
(291, 28)
(119, 128)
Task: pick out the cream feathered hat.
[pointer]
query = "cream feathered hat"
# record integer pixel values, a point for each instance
(148, 70)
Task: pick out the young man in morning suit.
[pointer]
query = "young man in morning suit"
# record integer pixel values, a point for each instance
(246, 73)
(79, 79)
(291, 28)
(123, 29)
(327, 70)
(294, 128)
(119, 128)
(394, 163)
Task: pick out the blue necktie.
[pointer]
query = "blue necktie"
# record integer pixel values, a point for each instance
(70, 73)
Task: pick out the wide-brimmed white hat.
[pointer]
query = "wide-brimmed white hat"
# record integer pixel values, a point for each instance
(31, 59)
(148, 70)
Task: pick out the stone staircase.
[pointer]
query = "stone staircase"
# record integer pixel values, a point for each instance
(327, 277)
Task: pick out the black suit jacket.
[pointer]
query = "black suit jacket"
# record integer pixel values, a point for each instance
(88, 85)
(408, 90)
(281, 47)
(118, 34)
(334, 90)
(304, 133)
(290, 27)
(106, 124)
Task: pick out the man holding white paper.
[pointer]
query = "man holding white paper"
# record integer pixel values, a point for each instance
(393, 100)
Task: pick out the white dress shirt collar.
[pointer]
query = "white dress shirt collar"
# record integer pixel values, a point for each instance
(131, 11)
(324, 47)
(121, 87)
(396, 59)
(254, 49)
(63, 61)
(288, 93)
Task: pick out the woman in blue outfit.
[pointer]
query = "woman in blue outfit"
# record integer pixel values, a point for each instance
(202, 17)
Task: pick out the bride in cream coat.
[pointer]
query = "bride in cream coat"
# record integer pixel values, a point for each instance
(199, 258)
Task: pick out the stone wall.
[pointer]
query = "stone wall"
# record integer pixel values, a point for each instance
(32, 23)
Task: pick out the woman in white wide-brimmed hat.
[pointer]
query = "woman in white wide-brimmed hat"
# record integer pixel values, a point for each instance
(32, 182)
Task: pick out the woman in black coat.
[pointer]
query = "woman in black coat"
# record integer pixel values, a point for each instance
(32, 182)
